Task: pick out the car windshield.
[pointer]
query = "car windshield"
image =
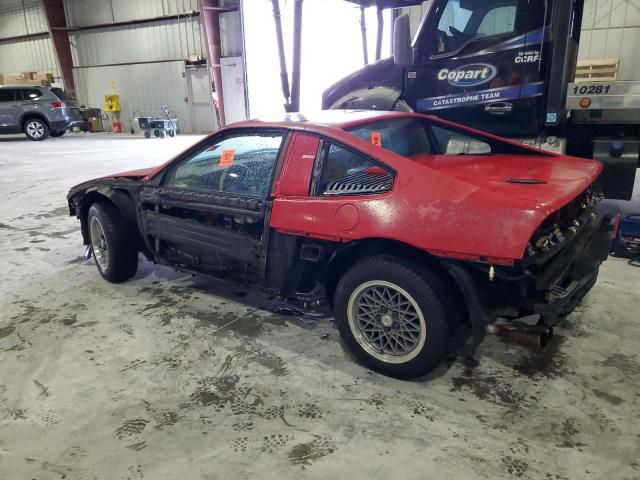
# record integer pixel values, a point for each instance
(416, 137)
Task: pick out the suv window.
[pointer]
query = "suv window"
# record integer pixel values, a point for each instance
(345, 172)
(7, 94)
(242, 164)
(465, 20)
(31, 93)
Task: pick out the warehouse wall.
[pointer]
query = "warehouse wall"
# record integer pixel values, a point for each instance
(611, 29)
(30, 54)
(146, 61)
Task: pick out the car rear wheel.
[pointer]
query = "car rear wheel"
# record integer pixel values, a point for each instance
(111, 243)
(36, 129)
(393, 316)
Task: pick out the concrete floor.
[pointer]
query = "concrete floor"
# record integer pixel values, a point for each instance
(174, 376)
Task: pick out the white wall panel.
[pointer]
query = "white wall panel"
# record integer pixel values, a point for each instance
(20, 56)
(142, 88)
(14, 21)
(167, 40)
(611, 29)
(97, 12)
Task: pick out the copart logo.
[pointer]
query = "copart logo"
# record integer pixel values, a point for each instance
(468, 75)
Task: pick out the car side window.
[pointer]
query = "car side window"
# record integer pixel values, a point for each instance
(7, 94)
(31, 93)
(345, 172)
(451, 142)
(241, 164)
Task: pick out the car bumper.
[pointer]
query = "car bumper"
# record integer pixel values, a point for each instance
(66, 124)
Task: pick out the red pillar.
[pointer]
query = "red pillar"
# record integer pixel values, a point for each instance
(57, 21)
(210, 15)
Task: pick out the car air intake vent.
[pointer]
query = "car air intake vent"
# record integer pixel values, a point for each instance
(526, 181)
(361, 182)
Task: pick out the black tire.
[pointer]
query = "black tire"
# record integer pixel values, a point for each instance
(36, 129)
(163, 134)
(121, 262)
(172, 133)
(428, 293)
(156, 133)
(59, 133)
(147, 134)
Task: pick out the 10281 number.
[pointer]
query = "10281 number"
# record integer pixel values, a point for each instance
(591, 89)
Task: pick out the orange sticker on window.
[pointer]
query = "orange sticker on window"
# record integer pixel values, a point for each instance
(226, 160)
(376, 139)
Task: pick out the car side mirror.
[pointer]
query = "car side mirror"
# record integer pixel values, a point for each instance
(402, 41)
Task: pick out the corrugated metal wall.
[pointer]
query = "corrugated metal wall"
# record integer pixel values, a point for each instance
(611, 29)
(117, 53)
(142, 88)
(22, 55)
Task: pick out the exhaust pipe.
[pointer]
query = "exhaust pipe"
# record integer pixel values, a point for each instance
(536, 336)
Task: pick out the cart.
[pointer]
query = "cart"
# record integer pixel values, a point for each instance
(157, 125)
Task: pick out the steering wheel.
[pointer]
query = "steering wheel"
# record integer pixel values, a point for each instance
(237, 172)
(455, 32)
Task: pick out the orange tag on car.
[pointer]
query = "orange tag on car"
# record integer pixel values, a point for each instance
(376, 139)
(226, 160)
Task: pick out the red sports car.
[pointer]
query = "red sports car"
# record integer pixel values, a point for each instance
(409, 225)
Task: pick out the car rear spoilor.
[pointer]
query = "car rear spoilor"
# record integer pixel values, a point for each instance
(394, 316)
(113, 248)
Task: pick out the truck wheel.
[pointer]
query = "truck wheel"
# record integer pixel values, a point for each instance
(392, 316)
(112, 244)
(36, 129)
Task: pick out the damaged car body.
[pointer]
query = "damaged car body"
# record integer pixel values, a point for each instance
(410, 226)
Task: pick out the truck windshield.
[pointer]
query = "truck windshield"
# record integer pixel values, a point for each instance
(465, 20)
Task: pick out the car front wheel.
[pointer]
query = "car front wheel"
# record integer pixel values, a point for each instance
(112, 244)
(393, 316)
(36, 129)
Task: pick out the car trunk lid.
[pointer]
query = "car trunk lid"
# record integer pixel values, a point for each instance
(546, 181)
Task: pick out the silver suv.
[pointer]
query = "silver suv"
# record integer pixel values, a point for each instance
(37, 111)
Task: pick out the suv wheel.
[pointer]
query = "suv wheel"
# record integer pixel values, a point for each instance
(393, 316)
(36, 129)
(113, 248)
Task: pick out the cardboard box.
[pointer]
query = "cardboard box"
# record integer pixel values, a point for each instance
(1, 79)
(43, 79)
(95, 124)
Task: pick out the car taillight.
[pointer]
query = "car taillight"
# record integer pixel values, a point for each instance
(58, 104)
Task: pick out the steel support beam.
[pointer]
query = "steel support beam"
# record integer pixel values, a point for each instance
(57, 22)
(363, 31)
(284, 75)
(210, 15)
(380, 32)
(297, 56)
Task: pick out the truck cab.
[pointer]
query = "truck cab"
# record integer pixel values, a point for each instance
(502, 66)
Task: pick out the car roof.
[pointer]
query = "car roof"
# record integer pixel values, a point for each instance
(341, 119)
(23, 85)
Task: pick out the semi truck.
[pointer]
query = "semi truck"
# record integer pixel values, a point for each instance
(506, 67)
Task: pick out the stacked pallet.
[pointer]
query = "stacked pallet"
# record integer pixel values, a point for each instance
(597, 70)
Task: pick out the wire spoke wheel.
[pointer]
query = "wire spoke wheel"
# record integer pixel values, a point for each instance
(386, 321)
(99, 243)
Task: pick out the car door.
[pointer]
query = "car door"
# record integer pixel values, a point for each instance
(209, 210)
(9, 110)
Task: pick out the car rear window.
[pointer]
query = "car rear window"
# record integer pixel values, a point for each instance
(61, 94)
(404, 136)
